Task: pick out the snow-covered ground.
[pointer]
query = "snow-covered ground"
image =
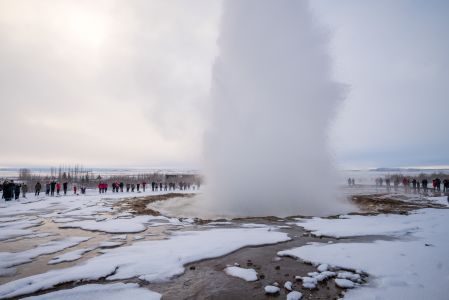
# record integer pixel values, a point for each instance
(74, 235)
(150, 260)
(415, 265)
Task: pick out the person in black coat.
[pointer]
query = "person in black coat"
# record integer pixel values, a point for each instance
(17, 191)
(37, 188)
(64, 187)
(52, 188)
(6, 190)
(10, 188)
(424, 185)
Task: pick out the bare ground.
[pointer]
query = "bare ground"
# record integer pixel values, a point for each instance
(389, 204)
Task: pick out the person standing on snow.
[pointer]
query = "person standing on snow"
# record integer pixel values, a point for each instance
(445, 185)
(438, 184)
(17, 191)
(58, 188)
(414, 185)
(24, 190)
(47, 189)
(52, 188)
(388, 184)
(64, 187)
(7, 194)
(37, 189)
(424, 185)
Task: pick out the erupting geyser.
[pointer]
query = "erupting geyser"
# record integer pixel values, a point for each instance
(272, 103)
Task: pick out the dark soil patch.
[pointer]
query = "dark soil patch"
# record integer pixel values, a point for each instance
(384, 203)
(206, 279)
(139, 205)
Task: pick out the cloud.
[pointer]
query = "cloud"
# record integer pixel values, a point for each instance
(127, 82)
(104, 82)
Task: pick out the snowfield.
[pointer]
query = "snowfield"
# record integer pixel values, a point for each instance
(415, 266)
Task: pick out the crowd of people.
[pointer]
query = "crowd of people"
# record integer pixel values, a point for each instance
(12, 190)
(410, 184)
(155, 186)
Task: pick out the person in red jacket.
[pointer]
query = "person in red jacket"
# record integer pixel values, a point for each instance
(58, 188)
(74, 189)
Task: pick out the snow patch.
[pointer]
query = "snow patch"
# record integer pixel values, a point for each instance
(271, 289)
(294, 295)
(245, 274)
(116, 291)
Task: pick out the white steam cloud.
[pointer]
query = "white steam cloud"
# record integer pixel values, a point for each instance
(272, 103)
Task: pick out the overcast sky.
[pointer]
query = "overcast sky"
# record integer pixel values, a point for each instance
(126, 83)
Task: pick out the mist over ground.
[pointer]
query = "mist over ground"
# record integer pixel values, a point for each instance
(273, 100)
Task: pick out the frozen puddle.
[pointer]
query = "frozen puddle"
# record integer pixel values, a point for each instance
(153, 261)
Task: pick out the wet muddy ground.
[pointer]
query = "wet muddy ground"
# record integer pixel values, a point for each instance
(206, 279)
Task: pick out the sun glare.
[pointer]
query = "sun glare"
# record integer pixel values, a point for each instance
(87, 27)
